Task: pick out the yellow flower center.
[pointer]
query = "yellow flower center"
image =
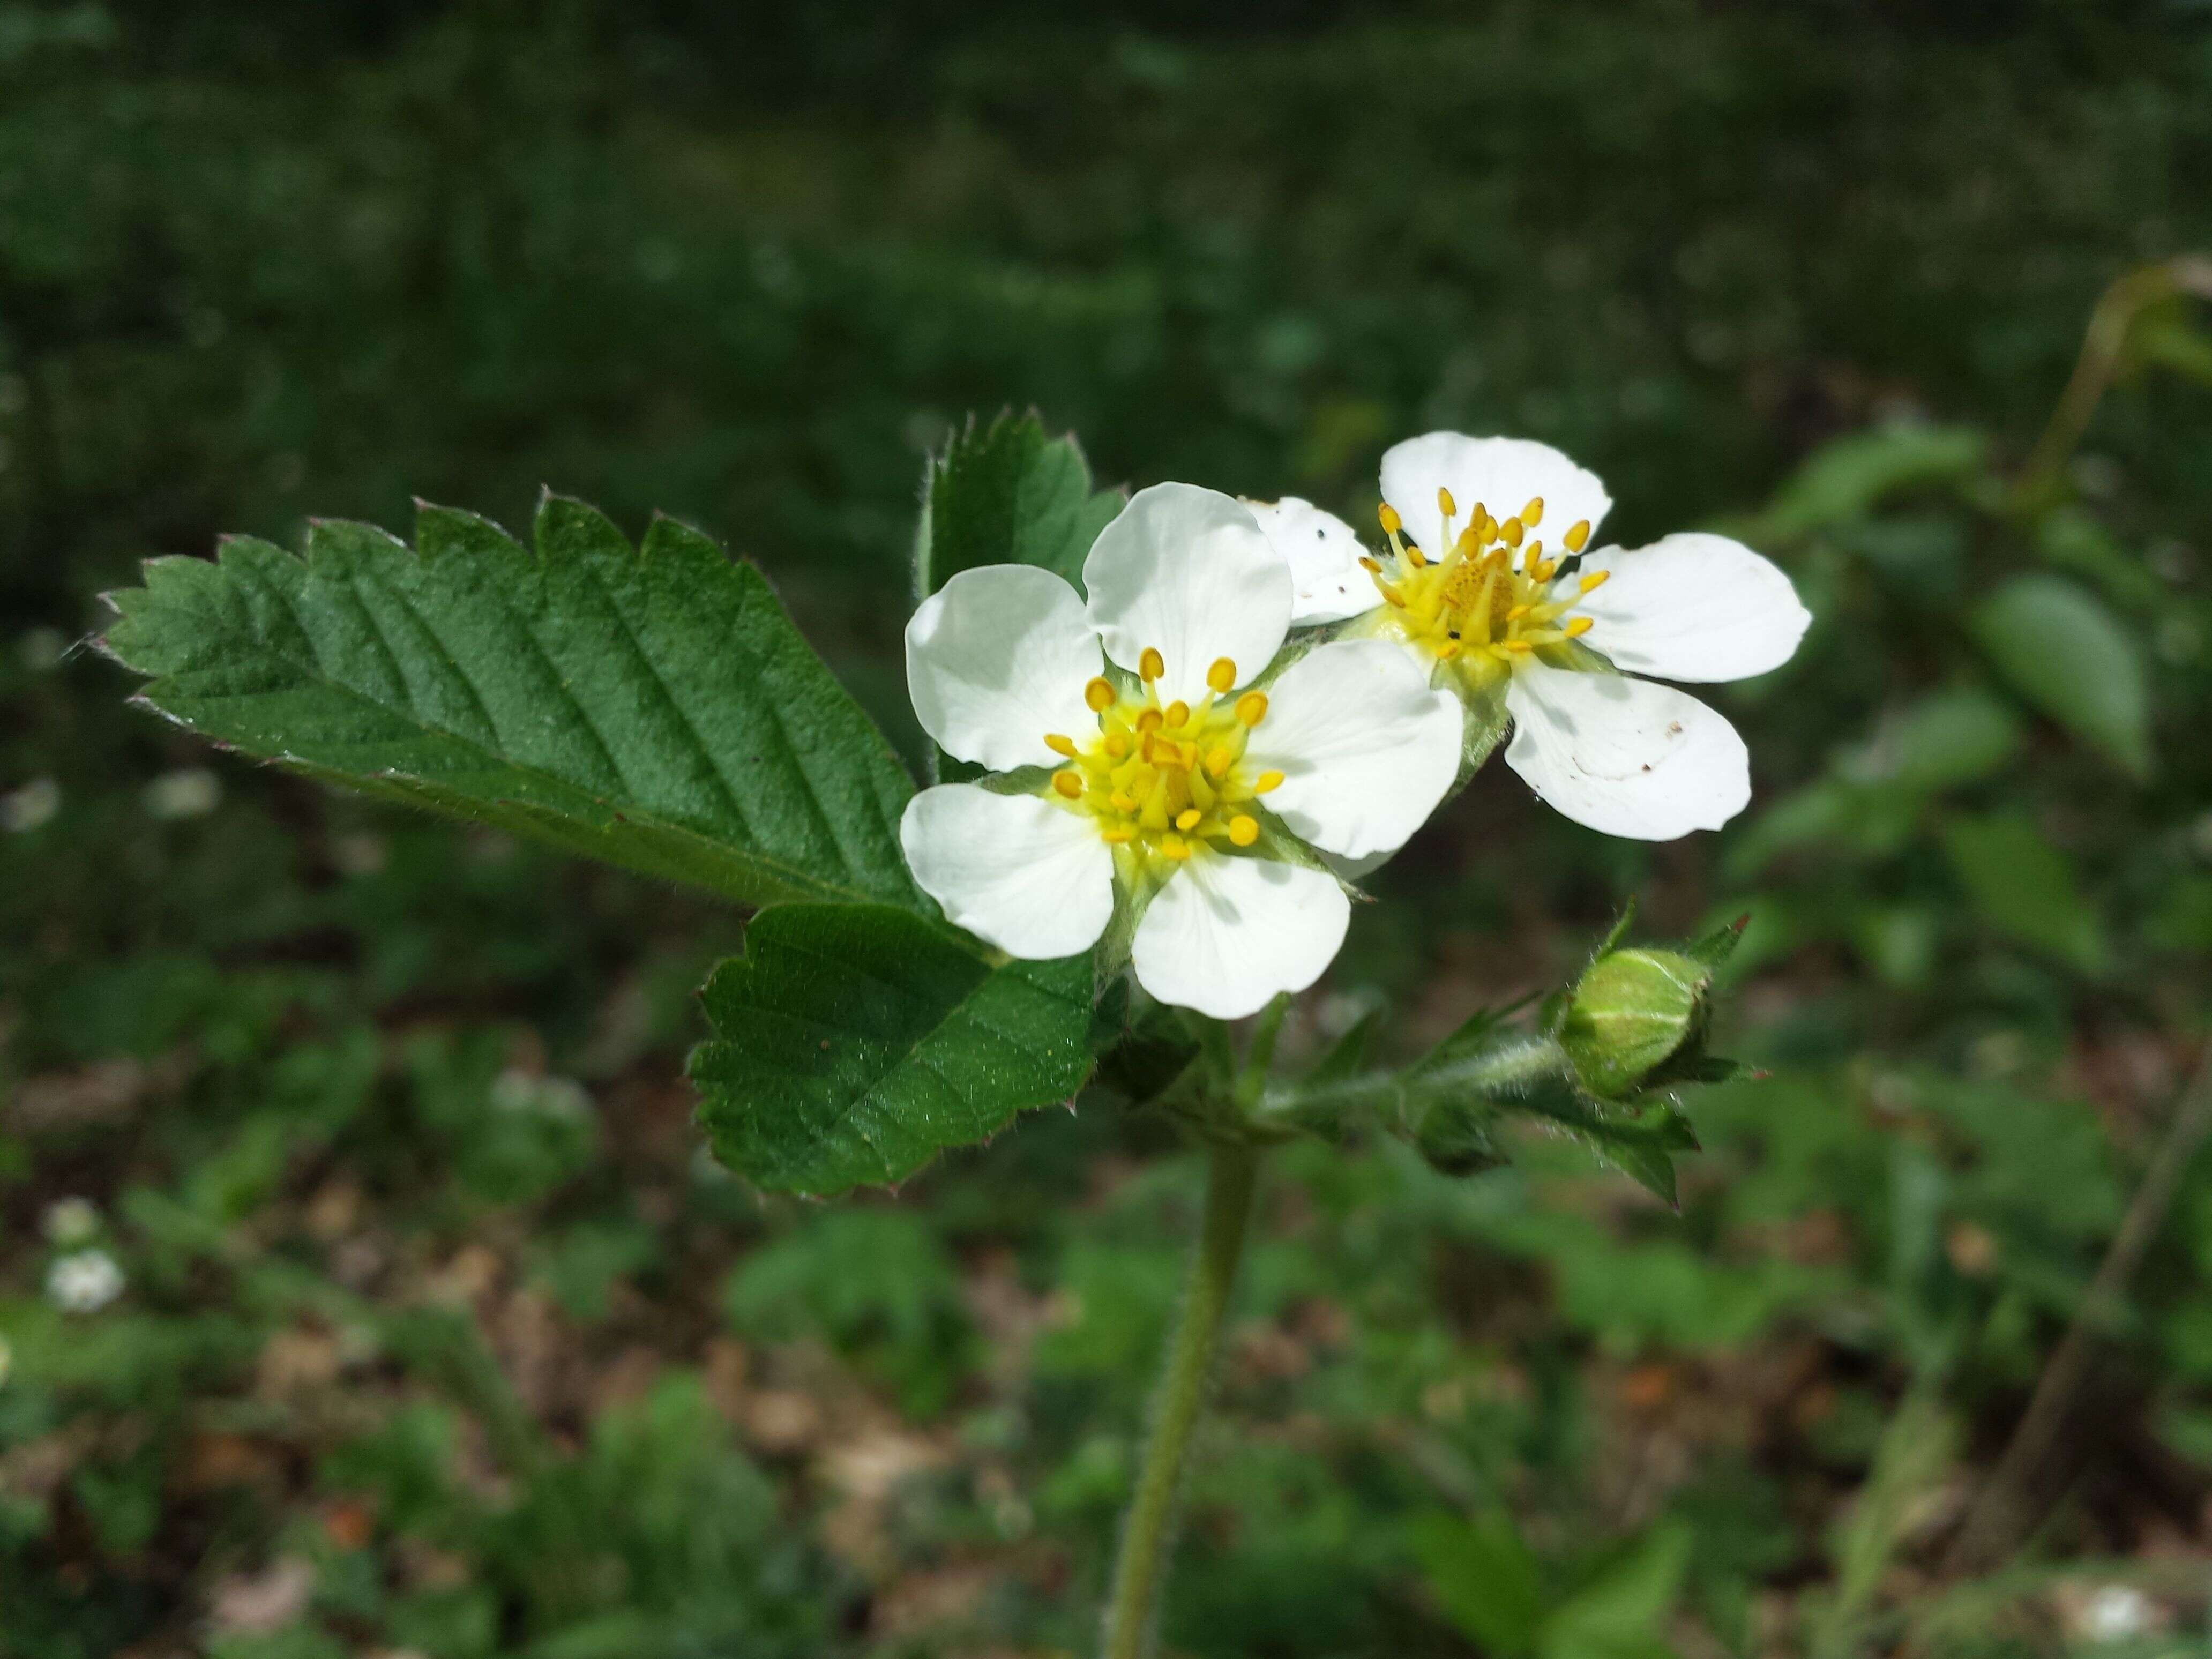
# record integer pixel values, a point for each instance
(1486, 601)
(1165, 779)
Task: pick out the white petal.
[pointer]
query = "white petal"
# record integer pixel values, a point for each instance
(1501, 473)
(1327, 583)
(1366, 749)
(1187, 572)
(1624, 755)
(998, 657)
(1226, 934)
(1691, 607)
(1031, 878)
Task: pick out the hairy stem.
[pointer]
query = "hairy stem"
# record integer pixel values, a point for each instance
(1149, 1528)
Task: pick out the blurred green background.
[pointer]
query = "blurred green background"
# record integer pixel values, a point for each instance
(437, 1336)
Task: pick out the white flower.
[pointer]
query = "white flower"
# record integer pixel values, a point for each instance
(71, 1221)
(32, 807)
(83, 1282)
(1499, 615)
(2115, 1612)
(191, 792)
(1159, 770)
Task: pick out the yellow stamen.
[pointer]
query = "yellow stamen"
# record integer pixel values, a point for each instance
(1578, 536)
(1060, 745)
(1252, 707)
(1510, 532)
(1266, 781)
(1372, 566)
(1515, 645)
(1178, 713)
(1578, 626)
(1533, 514)
(1119, 835)
(1175, 846)
(1219, 761)
(1517, 613)
(1595, 580)
(1151, 666)
(1447, 650)
(1392, 524)
(1444, 504)
(1394, 597)
(1186, 820)
(1099, 696)
(1069, 784)
(1117, 745)
(1222, 675)
(1150, 720)
(1244, 830)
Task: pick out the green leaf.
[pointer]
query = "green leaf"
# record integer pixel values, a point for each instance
(654, 708)
(853, 1042)
(2057, 645)
(1008, 494)
(1853, 475)
(2022, 885)
(1484, 1576)
(1619, 1614)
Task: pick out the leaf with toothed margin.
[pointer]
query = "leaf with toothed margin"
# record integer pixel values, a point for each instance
(853, 1042)
(1008, 494)
(652, 707)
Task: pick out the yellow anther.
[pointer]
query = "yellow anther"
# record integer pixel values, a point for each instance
(1099, 696)
(1123, 801)
(1517, 613)
(1177, 714)
(1219, 761)
(1447, 650)
(1069, 784)
(1060, 745)
(1152, 665)
(1484, 527)
(1252, 707)
(1515, 645)
(1372, 566)
(1222, 675)
(1117, 745)
(1244, 830)
(1118, 836)
(1542, 570)
(1578, 626)
(1533, 514)
(1266, 781)
(1509, 532)
(1578, 536)
(1535, 554)
(1150, 720)
(1186, 820)
(1595, 580)
(1392, 524)
(1175, 846)
(1394, 597)
(1444, 504)
(1414, 557)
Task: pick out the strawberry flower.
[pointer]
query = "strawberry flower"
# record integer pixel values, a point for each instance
(1523, 619)
(1144, 760)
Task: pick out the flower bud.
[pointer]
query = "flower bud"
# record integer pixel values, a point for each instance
(1632, 1011)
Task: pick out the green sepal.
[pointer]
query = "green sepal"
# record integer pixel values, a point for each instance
(1630, 1012)
(853, 1042)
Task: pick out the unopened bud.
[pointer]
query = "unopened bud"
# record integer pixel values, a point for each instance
(1631, 1012)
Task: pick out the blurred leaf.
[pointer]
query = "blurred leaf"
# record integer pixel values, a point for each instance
(2022, 885)
(1484, 1576)
(853, 1042)
(2058, 647)
(1008, 494)
(1852, 475)
(2168, 339)
(655, 709)
(1944, 740)
(2073, 540)
(1619, 1614)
